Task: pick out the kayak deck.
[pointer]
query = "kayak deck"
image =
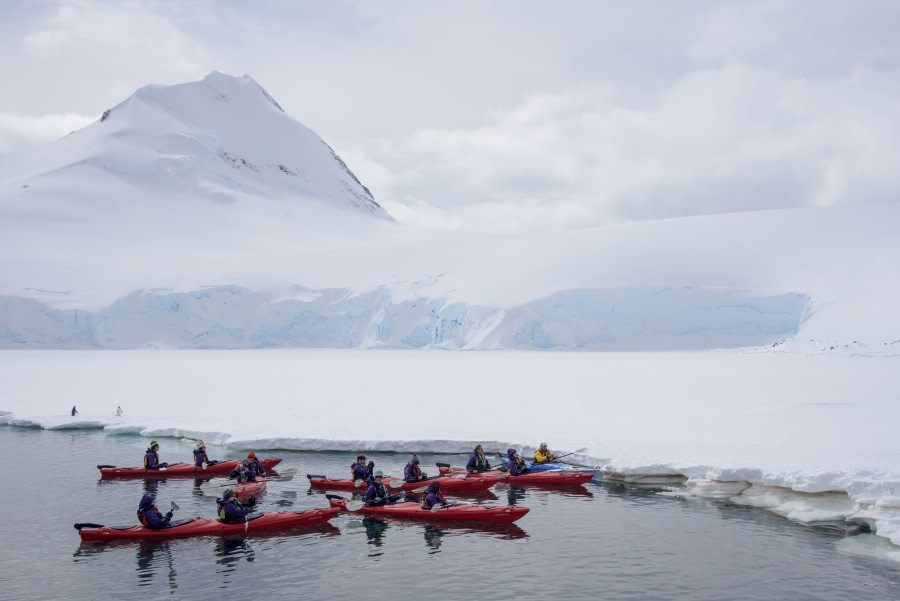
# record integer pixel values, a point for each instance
(208, 527)
(456, 513)
(555, 478)
(184, 470)
(448, 483)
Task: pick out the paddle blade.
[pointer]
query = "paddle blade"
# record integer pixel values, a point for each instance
(175, 506)
(355, 505)
(287, 475)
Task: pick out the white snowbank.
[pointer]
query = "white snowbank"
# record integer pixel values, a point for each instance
(811, 437)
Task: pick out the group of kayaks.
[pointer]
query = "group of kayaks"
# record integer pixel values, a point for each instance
(454, 481)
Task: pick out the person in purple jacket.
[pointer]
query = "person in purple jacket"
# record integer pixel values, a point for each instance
(516, 464)
(433, 496)
(360, 471)
(256, 468)
(151, 457)
(231, 510)
(151, 517)
(477, 461)
(412, 472)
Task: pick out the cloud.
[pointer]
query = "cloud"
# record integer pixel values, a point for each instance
(20, 131)
(731, 138)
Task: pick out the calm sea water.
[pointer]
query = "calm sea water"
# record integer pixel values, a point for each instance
(598, 541)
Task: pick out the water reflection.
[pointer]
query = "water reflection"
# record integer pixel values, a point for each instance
(154, 557)
(375, 530)
(433, 538)
(516, 494)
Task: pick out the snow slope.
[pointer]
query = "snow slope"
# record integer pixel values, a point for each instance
(201, 216)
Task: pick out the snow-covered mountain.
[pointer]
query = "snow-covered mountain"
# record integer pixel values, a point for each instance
(201, 215)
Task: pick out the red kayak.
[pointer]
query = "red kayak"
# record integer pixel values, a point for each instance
(560, 478)
(182, 470)
(208, 527)
(453, 513)
(448, 484)
(244, 491)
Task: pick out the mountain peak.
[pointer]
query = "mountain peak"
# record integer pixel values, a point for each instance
(223, 137)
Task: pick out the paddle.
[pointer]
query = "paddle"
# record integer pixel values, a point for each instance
(398, 483)
(287, 475)
(434, 508)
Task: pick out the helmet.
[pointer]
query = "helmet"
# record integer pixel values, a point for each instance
(153, 443)
(379, 474)
(200, 444)
(510, 451)
(147, 501)
(228, 494)
(251, 455)
(415, 460)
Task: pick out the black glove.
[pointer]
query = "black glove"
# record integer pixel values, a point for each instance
(371, 464)
(251, 501)
(163, 465)
(213, 462)
(169, 515)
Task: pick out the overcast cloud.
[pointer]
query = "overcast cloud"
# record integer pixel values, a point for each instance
(511, 115)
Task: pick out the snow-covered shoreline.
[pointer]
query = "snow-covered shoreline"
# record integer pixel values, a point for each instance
(808, 436)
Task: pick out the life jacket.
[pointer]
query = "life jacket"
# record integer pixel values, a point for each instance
(200, 457)
(414, 470)
(381, 491)
(142, 516)
(480, 460)
(542, 456)
(147, 460)
(353, 474)
(222, 513)
(439, 499)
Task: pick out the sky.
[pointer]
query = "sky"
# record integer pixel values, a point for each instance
(510, 115)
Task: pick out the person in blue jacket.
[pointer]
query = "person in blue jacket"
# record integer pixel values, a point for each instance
(231, 510)
(412, 472)
(377, 493)
(151, 517)
(360, 471)
(200, 456)
(516, 465)
(151, 457)
(477, 461)
(256, 468)
(433, 496)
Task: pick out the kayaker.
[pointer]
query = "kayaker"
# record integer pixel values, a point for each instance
(543, 455)
(477, 461)
(200, 455)
(74, 411)
(516, 465)
(256, 468)
(242, 473)
(151, 517)
(360, 471)
(433, 496)
(231, 510)
(151, 457)
(377, 493)
(412, 472)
